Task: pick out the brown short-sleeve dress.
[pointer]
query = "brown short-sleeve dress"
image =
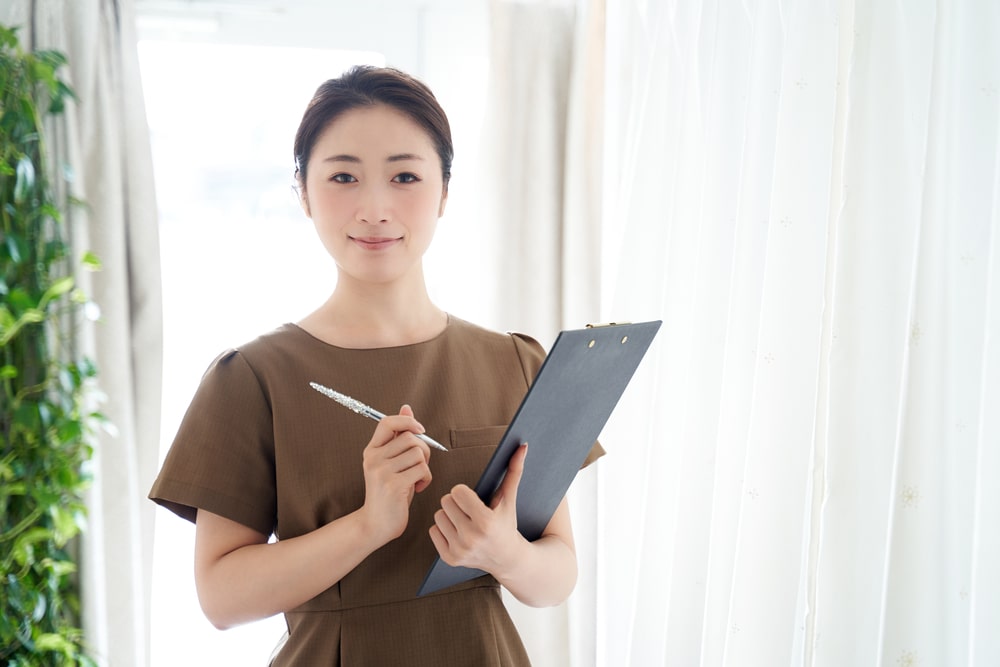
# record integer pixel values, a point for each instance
(260, 447)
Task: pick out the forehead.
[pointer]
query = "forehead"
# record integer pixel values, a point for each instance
(372, 130)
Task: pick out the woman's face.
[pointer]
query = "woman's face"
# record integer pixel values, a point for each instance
(374, 191)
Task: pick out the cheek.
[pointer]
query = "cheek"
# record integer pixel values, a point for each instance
(324, 204)
(431, 204)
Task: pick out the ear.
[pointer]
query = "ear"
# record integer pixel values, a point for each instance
(444, 200)
(304, 200)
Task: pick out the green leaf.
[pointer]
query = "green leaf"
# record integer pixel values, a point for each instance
(57, 289)
(20, 299)
(50, 59)
(6, 474)
(13, 248)
(71, 431)
(23, 549)
(89, 370)
(11, 489)
(50, 641)
(65, 525)
(25, 182)
(8, 37)
(39, 611)
(92, 261)
(7, 318)
(45, 421)
(50, 211)
(30, 316)
(60, 568)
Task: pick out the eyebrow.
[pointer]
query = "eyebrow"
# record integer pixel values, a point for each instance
(399, 157)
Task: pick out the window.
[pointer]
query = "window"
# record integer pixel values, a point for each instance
(238, 255)
(238, 258)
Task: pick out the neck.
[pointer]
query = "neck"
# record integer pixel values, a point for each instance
(365, 315)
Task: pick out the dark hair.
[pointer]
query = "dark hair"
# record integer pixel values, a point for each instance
(365, 85)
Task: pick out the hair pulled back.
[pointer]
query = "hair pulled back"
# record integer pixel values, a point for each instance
(365, 86)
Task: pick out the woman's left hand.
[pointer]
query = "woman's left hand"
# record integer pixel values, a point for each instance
(467, 533)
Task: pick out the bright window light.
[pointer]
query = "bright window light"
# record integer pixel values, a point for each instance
(238, 259)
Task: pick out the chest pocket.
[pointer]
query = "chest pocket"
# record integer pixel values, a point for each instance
(470, 450)
(482, 436)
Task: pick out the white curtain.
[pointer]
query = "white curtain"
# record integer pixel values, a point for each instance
(542, 150)
(103, 139)
(804, 470)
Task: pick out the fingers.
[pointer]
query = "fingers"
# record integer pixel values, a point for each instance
(395, 432)
(462, 507)
(454, 534)
(395, 452)
(404, 456)
(508, 488)
(390, 425)
(468, 533)
(440, 542)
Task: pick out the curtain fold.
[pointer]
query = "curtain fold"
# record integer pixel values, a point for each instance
(103, 140)
(542, 148)
(525, 144)
(806, 193)
(984, 588)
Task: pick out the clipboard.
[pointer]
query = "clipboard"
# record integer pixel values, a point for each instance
(562, 415)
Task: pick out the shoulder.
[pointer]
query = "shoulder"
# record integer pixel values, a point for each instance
(282, 340)
(473, 332)
(513, 345)
(265, 350)
(255, 361)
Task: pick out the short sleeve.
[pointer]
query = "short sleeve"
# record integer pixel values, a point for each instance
(532, 356)
(531, 353)
(222, 458)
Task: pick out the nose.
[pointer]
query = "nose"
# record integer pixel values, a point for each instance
(373, 206)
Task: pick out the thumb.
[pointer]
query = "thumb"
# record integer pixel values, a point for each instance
(507, 494)
(406, 411)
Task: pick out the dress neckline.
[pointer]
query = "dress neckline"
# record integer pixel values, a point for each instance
(449, 322)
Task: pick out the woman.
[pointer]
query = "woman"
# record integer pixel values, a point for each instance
(361, 511)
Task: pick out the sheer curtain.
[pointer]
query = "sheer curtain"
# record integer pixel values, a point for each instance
(103, 140)
(803, 471)
(542, 218)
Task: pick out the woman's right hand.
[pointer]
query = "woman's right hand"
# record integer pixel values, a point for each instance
(395, 468)
(242, 577)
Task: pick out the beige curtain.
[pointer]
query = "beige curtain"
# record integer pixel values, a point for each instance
(103, 139)
(808, 194)
(543, 202)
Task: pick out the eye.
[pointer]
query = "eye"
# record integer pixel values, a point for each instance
(343, 178)
(406, 177)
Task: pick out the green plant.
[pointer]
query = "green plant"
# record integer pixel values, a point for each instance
(46, 394)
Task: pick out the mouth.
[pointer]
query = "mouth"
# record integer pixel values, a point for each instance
(375, 242)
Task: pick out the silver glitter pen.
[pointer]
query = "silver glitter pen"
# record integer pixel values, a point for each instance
(368, 411)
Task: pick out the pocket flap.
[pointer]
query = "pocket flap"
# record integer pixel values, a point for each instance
(482, 436)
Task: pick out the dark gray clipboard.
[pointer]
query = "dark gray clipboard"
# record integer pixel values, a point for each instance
(561, 417)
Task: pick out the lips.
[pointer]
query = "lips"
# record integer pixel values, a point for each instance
(375, 242)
